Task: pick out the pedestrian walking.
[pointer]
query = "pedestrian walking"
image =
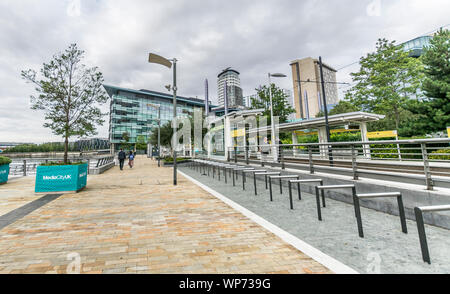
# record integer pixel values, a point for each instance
(122, 157)
(131, 159)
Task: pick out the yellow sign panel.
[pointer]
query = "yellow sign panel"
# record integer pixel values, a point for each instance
(331, 131)
(305, 133)
(237, 133)
(448, 131)
(382, 134)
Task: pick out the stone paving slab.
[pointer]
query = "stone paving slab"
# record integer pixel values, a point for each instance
(136, 221)
(17, 193)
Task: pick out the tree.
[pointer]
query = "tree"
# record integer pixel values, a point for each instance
(434, 110)
(141, 143)
(281, 107)
(385, 82)
(166, 132)
(125, 137)
(342, 107)
(69, 93)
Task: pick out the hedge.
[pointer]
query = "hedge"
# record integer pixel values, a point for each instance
(4, 160)
(170, 159)
(441, 157)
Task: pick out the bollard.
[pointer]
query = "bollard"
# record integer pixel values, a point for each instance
(24, 168)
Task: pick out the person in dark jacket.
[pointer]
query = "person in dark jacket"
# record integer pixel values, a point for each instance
(122, 157)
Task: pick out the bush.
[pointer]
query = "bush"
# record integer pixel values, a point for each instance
(441, 157)
(170, 159)
(4, 160)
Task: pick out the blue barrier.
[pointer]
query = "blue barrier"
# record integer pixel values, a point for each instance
(61, 178)
(4, 172)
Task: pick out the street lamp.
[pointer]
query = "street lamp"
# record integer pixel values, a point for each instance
(274, 149)
(153, 58)
(159, 130)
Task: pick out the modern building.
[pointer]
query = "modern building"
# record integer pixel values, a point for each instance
(308, 88)
(415, 46)
(134, 112)
(230, 78)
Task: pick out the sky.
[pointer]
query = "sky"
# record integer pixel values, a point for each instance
(253, 37)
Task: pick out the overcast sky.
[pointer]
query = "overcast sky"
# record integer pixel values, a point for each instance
(254, 37)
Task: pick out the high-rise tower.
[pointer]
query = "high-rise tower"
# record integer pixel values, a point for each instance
(308, 92)
(229, 78)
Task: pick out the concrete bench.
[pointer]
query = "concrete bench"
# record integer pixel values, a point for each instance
(332, 187)
(281, 186)
(401, 208)
(298, 182)
(244, 178)
(265, 174)
(418, 211)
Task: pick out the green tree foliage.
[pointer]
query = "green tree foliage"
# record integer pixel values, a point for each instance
(342, 107)
(125, 137)
(69, 93)
(434, 110)
(45, 147)
(167, 133)
(141, 143)
(4, 160)
(281, 106)
(387, 79)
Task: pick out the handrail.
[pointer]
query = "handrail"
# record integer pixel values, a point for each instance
(415, 141)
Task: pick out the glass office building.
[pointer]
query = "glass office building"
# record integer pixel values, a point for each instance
(415, 46)
(133, 112)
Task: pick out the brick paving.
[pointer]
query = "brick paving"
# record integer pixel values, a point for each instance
(136, 221)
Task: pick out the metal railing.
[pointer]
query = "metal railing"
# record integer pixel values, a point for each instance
(423, 159)
(28, 167)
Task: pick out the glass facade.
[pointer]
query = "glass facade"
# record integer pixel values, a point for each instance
(134, 112)
(415, 46)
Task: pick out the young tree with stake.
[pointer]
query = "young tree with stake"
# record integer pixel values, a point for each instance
(70, 94)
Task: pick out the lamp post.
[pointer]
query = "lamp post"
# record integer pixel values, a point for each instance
(272, 123)
(325, 110)
(153, 58)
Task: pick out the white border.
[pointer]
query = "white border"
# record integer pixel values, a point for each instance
(327, 261)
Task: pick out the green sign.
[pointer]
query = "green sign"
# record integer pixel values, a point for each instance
(59, 178)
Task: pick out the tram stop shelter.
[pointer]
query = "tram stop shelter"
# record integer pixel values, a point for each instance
(356, 118)
(353, 118)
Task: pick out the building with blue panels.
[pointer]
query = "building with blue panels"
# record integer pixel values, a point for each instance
(415, 46)
(133, 112)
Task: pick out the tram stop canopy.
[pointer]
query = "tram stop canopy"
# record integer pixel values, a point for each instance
(360, 118)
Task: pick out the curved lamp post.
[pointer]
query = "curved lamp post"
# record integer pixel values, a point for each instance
(272, 123)
(153, 58)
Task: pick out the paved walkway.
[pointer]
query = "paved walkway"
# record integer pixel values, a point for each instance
(136, 221)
